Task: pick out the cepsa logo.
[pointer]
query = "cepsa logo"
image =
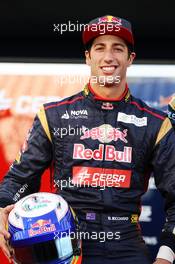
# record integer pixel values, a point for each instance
(105, 134)
(103, 177)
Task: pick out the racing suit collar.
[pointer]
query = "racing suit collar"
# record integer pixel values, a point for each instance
(124, 95)
(105, 103)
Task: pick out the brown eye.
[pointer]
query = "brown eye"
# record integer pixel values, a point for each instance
(99, 48)
(118, 49)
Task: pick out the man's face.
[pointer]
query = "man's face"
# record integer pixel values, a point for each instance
(108, 59)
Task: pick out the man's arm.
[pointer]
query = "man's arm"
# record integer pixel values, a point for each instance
(30, 164)
(164, 250)
(25, 173)
(164, 171)
(171, 111)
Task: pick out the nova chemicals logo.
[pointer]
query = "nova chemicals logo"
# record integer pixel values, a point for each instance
(75, 114)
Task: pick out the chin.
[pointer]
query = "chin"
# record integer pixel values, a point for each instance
(109, 81)
(108, 84)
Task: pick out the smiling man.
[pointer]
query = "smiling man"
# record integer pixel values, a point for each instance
(106, 169)
(109, 58)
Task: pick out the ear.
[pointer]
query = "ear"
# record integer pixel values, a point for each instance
(131, 58)
(88, 59)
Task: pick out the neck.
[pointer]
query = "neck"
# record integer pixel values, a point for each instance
(109, 92)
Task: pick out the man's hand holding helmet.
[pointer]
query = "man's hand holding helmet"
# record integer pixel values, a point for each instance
(4, 234)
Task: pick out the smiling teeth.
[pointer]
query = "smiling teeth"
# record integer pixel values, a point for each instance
(108, 68)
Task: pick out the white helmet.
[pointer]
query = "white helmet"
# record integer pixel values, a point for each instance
(43, 230)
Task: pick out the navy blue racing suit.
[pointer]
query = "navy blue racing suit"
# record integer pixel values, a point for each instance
(103, 152)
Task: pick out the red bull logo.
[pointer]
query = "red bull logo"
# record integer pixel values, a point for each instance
(107, 106)
(107, 152)
(40, 223)
(105, 134)
(41, 226)
(110, 19)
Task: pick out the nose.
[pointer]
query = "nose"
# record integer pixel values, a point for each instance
(108, 57)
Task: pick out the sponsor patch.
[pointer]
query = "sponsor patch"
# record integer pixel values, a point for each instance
(106, 152)
(105, 134)
(110, 19)
(65, 115)
(118, 218)
(90, 216)
(75, 114)
(134, 218)
(107, 106)
(41, 226)
(41, 230)
(132, 119)
(90, 176)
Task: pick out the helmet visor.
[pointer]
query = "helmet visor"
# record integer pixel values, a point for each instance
(59, 250)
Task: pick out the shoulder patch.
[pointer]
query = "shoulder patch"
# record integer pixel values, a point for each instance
(43, 119)
(165, 127)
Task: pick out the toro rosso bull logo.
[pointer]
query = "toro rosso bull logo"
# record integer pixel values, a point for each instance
(110, 19)
(105, 134)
